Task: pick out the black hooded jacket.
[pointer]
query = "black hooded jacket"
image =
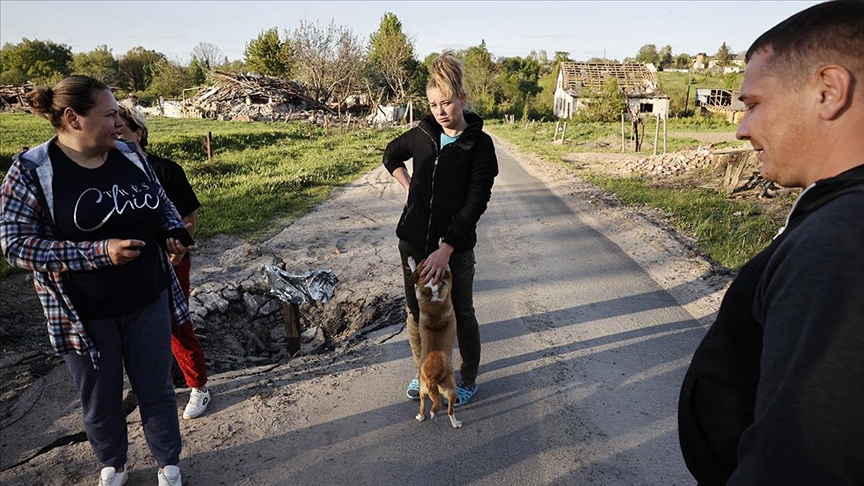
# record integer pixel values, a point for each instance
(775, 391)
(450, 187)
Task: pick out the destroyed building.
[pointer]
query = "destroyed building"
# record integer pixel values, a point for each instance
(12, 97)
(724, 101)
(638, 81)
(242, 97)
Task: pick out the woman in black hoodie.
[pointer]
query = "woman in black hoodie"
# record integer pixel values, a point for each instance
(454, 167)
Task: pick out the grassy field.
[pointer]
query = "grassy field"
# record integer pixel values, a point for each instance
(728, 231)
(259, 171)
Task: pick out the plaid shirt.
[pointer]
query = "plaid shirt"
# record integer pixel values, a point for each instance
(28, 239)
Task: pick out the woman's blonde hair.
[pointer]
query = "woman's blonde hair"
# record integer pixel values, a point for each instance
(134, 119)
(447, 77)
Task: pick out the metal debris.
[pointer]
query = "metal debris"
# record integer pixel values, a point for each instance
(310, 288)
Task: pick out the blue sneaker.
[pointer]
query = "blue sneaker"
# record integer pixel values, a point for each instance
(413, 391)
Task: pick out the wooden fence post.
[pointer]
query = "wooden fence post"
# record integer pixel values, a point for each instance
(209, 146)
(656, 132)
(665, 117)
(291, 315)
(622, 133)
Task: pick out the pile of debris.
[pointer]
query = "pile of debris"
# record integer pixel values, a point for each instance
(12, 97)
(671, 164)
(241, 97)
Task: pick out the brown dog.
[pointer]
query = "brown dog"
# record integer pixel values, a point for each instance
(437, 334)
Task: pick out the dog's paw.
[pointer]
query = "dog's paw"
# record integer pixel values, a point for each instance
(431, 415)
(420, 417)
(455, 423)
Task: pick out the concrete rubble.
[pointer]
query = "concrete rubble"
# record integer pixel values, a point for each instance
(671, 164)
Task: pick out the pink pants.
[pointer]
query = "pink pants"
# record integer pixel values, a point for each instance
(185, 346)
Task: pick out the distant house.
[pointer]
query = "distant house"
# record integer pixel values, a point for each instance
(723, 101)
(637, 80)
(699, 62)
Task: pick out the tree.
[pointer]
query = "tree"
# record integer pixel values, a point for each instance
(236, 66)
(137, 66)
(664, 58)
(269, 55)
(723, 54)
(169, 79)
(648, 53)
(391, 56)
(35, 61)
(196, 72)
(517, 79)
(328, 60)
(480, 78)
(98, 63)
(683, 61)
(208, 56)
(561, 56)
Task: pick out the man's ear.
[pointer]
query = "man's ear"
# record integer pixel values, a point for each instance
(835, 89)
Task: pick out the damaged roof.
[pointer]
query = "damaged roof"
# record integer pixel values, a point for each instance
(633, 77)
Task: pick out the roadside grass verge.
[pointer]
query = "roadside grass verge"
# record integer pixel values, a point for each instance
(606, 137)
(259, 171)
(728, 231)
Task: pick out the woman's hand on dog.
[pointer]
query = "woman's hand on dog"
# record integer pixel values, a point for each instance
(436, 264)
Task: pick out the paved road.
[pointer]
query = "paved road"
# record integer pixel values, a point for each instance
(582, 358)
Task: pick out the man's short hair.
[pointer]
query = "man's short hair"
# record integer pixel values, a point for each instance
(829, 32)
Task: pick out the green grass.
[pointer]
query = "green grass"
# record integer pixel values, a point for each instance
(728, 231)
(259, 171)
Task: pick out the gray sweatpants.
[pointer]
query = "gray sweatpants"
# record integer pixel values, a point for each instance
(140, 341)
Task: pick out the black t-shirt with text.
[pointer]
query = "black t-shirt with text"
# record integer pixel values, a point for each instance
(115, 200)
(173, 179)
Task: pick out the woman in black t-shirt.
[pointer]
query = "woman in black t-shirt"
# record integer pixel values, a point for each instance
(88, 216)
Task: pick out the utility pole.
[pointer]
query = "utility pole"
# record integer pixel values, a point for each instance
(687, 99)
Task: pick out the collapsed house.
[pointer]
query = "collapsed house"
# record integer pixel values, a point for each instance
(242, 97)
(12, 97)
(724, 101)
(579, 82)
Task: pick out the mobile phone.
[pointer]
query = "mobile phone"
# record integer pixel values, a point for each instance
(181, 235)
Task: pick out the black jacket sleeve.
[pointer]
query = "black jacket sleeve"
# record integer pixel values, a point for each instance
(461, 231)
(399, 150)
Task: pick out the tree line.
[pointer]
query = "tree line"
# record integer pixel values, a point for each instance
(331, 61)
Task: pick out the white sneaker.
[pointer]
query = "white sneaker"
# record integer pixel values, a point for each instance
(110, 476)
(170, 476)
(198, 401)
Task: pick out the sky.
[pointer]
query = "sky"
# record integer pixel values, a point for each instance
(585, 29)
